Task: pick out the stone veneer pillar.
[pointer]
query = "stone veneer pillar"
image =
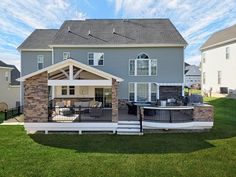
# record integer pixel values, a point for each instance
(114, 89)
(203, 113)
(36, 98)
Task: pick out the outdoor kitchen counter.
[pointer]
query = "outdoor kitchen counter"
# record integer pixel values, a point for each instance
(203, 112)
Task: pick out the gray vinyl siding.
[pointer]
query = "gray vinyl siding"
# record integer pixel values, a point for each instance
(29, 61)
(116, 62)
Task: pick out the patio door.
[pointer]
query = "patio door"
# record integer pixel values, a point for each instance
(103, 95)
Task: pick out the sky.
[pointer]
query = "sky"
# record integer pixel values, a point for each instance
(196, 20)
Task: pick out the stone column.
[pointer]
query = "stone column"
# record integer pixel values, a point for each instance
(114, 89)
(203, 113)
(36, 98)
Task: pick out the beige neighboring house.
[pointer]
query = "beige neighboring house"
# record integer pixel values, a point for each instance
(219, 63)
(9, 87)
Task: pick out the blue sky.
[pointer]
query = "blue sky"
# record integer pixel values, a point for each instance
(196, 20)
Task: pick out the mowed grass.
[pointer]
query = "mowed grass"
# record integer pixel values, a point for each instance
(181, 154)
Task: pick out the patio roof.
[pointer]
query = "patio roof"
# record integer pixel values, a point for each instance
(71, 62)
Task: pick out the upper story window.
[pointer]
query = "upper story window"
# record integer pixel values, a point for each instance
(227, 52)
(143, 66)
(66, 55)
(96, 59)
(7, 76)
(40, 62)
(203, 57)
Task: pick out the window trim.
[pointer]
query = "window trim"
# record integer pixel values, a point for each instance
(93, 58)
(219, 77)
(141, 53)
(39, 62)
(7, 76)
(149, 67)
(68, 90)
(227, 53)
(63, 55)
(149, 91)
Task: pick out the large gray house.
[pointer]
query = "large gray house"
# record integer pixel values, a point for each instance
(111, 62)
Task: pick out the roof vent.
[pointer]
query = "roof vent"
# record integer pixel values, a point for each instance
(68, 29)
(89, 32)
(114, 31)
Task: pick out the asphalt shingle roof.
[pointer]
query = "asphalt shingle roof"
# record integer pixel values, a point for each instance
(15, 73)
(220, 36)
(39, 39)
(106, 31)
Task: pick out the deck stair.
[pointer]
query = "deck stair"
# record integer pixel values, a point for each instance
(129, 128)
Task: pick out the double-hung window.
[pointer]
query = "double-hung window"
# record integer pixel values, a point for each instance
(96, 59)
(142, 66)
(142, 92)
(66, 55)
(40, 62)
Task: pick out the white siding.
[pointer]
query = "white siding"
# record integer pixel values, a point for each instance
(216, 61)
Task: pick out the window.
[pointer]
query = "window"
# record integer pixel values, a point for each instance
(203, 57)
(40, 62)
(71, 90)
(153, 92)
(66, 55)
(219, 77)
(7, 76)
(96, 59)
(143, 66)
(64, 90)
(227, 51)
(142, 92)
(204, 78)
(68, 90)
(143, 56)
(131, 91)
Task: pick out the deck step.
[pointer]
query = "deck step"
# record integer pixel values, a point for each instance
(128, 122)
(128, 125)
(129, 133)
(129, 128)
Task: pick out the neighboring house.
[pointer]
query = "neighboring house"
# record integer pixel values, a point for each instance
(219, 62)
(192, 76)
(113, 62)
(10, 88)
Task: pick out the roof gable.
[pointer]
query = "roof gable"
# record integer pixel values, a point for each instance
(220, 37)
(68, 62)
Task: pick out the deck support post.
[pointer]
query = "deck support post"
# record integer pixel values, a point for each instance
(114, 100)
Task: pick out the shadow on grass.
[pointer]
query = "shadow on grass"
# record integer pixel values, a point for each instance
(225, 127)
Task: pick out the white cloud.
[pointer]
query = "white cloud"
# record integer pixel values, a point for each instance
(194, 60)
(19, 19)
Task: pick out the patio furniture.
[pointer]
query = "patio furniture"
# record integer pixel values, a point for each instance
(96, 111)
(81, 106)
(195, 99)
(61, 109)
(132, 108)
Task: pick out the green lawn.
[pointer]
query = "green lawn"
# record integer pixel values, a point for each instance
(192, 91)
(188, 154)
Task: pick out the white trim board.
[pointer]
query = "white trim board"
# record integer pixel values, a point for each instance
(69, 62)
(118, 45)
(79, 82)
